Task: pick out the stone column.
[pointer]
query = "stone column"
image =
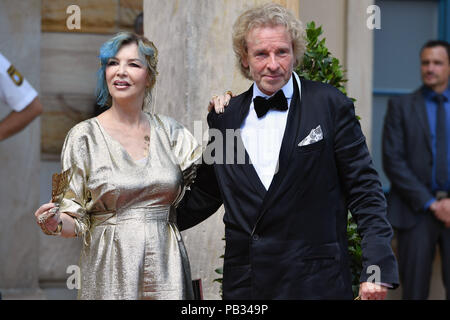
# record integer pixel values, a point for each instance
(349, 40)
(331, 15)
(20, 26)
(360, 62)
(196, 60)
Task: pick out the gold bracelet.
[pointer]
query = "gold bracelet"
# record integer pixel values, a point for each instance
(58, 230)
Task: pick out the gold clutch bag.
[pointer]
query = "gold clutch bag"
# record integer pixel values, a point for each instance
(60, 184)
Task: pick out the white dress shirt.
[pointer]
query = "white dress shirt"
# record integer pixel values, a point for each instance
(262, 137)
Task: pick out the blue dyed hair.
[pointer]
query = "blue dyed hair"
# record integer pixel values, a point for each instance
(147, 52)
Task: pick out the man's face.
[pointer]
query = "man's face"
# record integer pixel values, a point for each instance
(270, 57)
(435, 68)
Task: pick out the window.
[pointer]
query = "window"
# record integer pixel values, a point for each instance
(405, 26)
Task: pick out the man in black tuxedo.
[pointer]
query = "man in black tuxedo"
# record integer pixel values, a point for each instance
(287, 169)
(416, 160)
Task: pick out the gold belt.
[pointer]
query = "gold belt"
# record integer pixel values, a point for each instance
(133, 214)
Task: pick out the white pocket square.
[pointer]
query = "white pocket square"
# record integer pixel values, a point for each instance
(314, 136)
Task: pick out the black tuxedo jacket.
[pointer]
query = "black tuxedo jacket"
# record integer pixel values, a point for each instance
(407, 158)
(289, 242)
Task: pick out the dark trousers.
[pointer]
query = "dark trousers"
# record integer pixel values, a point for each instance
(416, 251)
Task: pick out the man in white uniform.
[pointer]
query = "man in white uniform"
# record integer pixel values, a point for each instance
(20, 96)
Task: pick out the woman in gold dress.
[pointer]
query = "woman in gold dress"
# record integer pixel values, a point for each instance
(129, 170)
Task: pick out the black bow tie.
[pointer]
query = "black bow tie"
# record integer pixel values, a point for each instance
(277, 102)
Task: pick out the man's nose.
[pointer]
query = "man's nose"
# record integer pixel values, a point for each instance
(273, 63)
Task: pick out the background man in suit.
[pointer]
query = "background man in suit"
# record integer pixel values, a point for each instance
(416, 160)
(287, 175)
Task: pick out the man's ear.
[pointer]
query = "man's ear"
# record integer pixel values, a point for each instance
(244, 61)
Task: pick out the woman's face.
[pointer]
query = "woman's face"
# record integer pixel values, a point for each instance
(126, 74)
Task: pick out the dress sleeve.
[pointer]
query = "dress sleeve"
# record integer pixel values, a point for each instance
(186, 149)
(75, 157)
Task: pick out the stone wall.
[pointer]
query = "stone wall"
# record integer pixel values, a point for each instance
(19, 155)
(69, 61)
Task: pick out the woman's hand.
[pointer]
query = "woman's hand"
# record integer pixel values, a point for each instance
(48, 217)
(219, 103)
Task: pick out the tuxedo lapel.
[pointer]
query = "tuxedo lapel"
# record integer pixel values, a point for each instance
(243, 110)
(420, 111)
(287, 146)
(247, 167)
(289, 139)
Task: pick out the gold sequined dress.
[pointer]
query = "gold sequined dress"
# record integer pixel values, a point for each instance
(124, 211)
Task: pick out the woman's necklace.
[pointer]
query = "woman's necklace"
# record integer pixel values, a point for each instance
(146, 145)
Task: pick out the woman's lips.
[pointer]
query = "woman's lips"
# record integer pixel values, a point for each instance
(121, 84)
